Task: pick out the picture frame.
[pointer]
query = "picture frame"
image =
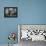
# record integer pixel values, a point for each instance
(11, 12)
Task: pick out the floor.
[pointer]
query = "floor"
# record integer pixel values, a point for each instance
(30, 43)
(7, 45)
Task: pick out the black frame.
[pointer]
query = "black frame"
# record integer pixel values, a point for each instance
(16, 15)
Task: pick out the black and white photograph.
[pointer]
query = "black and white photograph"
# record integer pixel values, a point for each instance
(10, 12)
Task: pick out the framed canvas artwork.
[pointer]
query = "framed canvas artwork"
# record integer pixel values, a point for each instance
(10, 11)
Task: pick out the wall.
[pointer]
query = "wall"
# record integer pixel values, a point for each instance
(29, 12)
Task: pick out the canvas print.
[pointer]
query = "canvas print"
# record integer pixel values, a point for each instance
(10, 12)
